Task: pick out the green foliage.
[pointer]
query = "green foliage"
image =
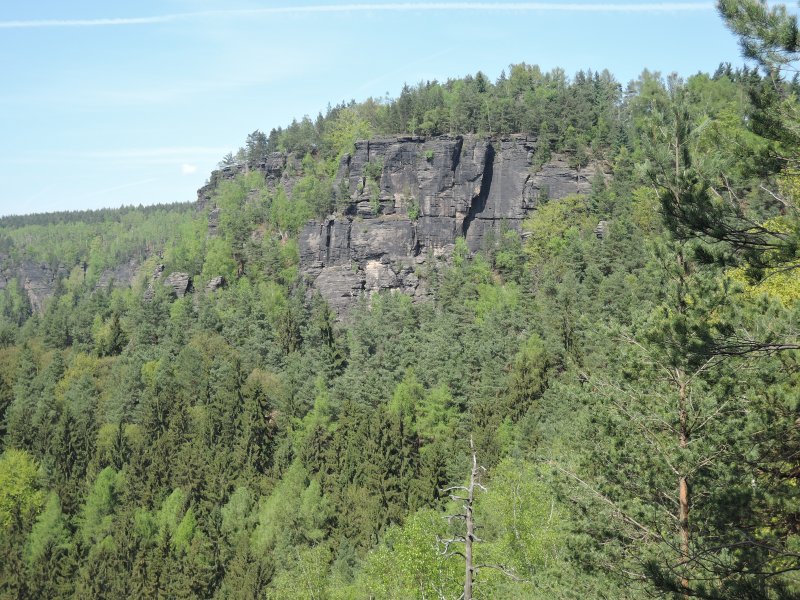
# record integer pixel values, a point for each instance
(413, 209)
(97, 515)
(97, 239)
(247, 443)
(555, 230)
(218, 261)
(524, 528)
(306, 579)
(287, 216)
(373, 170)
(409, 564)
(21, 499)
(316, 193)
(293, 516)
(49, 533)
(374, 197)
(346, 128)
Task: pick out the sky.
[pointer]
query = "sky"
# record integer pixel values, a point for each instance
(104, 104)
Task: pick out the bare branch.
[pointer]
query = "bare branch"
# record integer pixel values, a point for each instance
(504, 570)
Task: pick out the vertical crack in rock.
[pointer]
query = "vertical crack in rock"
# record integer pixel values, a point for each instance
(328, 228)
(348, 245)
(457, 149)
(478, 204)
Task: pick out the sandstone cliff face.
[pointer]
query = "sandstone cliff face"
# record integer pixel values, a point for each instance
(403, 201)
(409, 198)
(39, 280)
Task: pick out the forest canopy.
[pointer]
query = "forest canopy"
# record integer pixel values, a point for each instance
(631, 397)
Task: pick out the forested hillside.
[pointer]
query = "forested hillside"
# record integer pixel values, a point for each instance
(627, 369)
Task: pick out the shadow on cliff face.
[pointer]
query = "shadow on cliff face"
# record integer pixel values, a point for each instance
(478, 205)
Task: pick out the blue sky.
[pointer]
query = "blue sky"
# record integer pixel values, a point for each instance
(105, 104)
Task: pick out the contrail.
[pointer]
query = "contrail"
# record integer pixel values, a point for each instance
(657, 7)
(89, 22)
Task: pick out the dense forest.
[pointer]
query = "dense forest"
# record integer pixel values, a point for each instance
(630, 396)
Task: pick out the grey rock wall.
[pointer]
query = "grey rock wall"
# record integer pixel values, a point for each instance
(38, 280)
(451, 185)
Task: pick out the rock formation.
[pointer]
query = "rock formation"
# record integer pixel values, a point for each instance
(37, 279)
(402, 202)
(178, 283)
(215, 283)
(408, 198)
(122, 275)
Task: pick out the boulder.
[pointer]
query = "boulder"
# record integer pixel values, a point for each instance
(180, 283)
(215, 283)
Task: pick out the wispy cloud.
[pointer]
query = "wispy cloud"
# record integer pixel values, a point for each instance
(587, 7)
(117, 188)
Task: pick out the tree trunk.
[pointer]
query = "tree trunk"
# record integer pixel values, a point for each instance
(683, 484)
(469, 568)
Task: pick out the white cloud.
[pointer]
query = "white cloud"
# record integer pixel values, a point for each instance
(187, 169)
(607, 7)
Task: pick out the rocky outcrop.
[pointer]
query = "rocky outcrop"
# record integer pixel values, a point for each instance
(179, 284)
(278, 168)
(39, 282)
(121, 276)
(213, 222)
(205, 194)
(215, 283)
(37, 279)
(405, 200)
(409, 198)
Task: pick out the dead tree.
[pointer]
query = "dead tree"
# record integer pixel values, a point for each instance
(468, 516)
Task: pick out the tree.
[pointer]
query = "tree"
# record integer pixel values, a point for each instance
(469, 537)
(345, 130)
(315, 190)
(742, 199)
(768, 35)
(228, 160)
(256, 148)
(671, 425)
(20, 497)
(256, 428)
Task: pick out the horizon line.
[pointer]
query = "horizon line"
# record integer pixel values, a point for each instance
(627, 7)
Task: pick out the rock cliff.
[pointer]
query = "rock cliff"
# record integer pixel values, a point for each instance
(38, 280)
(407, 199)
(402, 202)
